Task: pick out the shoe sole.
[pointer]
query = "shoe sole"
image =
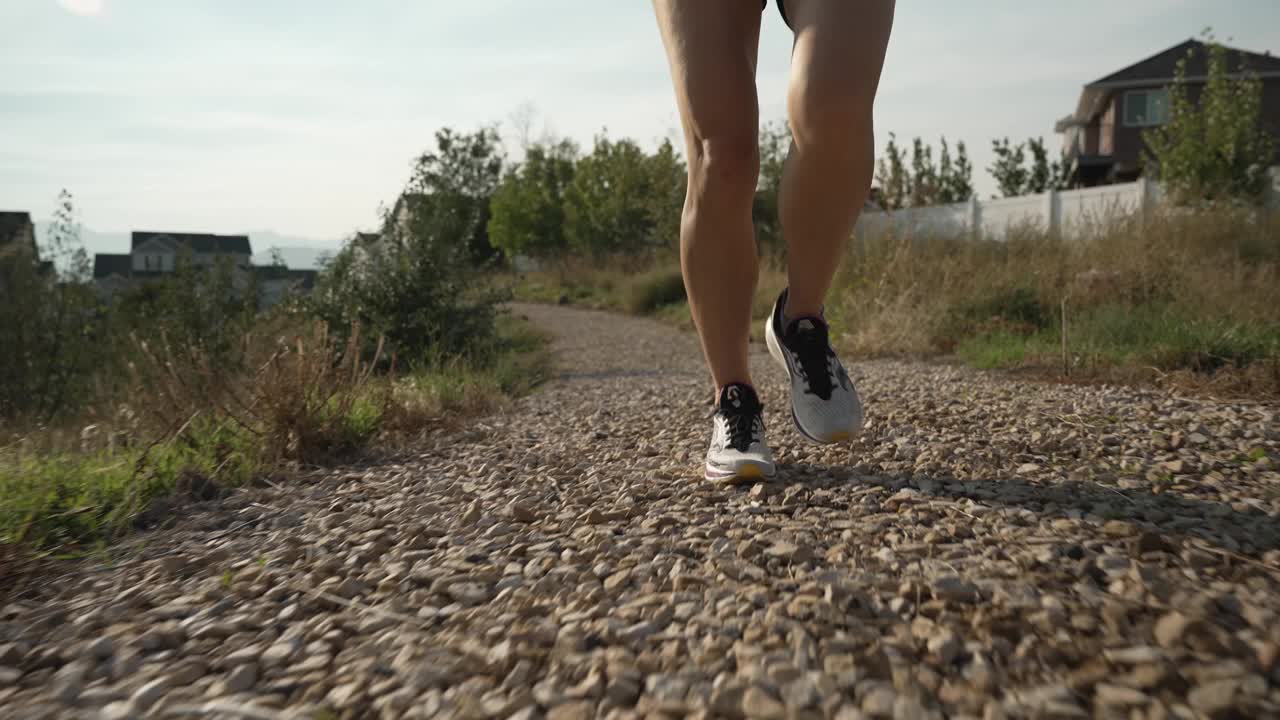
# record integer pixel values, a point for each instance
(747, 472)
(775, 350)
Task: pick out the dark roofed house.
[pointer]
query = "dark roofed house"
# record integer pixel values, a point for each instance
(160, 251)
(1102, 139)
(275, 282)
(107, 265)
(18, 234)
(17, 227)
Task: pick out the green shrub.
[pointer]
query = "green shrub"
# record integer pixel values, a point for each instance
(653, 290)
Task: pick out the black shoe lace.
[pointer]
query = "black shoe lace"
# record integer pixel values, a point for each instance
(742, 426)
(813, 351)
(740, 420)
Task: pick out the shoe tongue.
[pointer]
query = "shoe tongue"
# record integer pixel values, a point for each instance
(737, 397)
(805, 324)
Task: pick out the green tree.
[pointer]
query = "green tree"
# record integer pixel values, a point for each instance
(47, 322)
(955, 177)
(893, 177)
(924, 183)
(450, 189)
(668, 179)
(775, 143)
(607, 209)
(1015, 177)
(1007, 168)
(924, 175)
(1216, 149)
(528, 207)
(422, 295)
(1045, 174)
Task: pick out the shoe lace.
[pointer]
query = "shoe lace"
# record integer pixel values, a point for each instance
(813, 355)
(742, 429)
(742, 423)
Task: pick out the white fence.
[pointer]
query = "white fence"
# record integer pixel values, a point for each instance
(1066, 212)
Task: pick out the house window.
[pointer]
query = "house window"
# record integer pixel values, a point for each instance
(1143, 108)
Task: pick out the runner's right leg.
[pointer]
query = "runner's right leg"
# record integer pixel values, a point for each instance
(711, 47)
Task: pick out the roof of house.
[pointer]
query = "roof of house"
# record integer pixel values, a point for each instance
(198, 242)
(1162, 66)
(106, 265)
(1160, 69)
(11, 222)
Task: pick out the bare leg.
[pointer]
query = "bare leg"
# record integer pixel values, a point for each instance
(711, 46)
(835, 70)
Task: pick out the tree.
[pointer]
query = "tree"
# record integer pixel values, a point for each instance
(1216, 149)
(774, 144)
(450, 190)
(924, 176)
(1013, 177)
(924, 184)
(47, 312)
(893, 177)
(1044, 174)
(668, 177)
(955, 178)
(1007, 169)
(528, 208)
(607, 209)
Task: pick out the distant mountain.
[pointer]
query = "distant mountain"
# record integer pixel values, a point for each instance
(299, 253)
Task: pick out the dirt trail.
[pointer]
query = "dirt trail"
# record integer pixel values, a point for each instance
(988, 548)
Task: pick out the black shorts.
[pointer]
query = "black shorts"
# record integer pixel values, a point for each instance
(782, 10)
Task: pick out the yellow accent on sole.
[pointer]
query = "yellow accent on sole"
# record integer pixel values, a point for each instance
(750, 471)
(839, 436)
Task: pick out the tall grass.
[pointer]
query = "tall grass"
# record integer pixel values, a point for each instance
(297, 396)
(651, 285)
(1179, 291)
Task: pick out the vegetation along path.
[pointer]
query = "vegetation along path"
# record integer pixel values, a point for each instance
(988, 548)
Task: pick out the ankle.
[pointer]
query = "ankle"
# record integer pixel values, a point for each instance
(794, 311)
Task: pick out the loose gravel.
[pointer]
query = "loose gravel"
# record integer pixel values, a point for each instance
(988, 548)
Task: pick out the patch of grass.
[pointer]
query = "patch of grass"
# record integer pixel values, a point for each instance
(653, 287)
(653, 290)
(68, 499)
(61, 492)
(993, 350)
(1163, 338)
(1180, 297)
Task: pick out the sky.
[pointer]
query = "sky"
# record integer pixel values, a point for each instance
(300, 119)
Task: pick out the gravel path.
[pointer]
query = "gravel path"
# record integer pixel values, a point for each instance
(987, 549)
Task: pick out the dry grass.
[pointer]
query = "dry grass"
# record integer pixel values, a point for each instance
(296, 396)
(648, 286)
(1181, 295)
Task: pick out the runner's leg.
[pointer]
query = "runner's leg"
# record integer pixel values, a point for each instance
(711, 48)
(835, 70)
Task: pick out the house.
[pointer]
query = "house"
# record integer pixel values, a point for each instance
(1102, 139)
(16, 227)
(276, 282)
(155, 254)
(18, 234)
(159, 252)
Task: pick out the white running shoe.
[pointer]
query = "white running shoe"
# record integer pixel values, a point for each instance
(824, 403)
(738, 451)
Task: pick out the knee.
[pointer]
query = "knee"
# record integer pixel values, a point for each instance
(829, 116)
(725, 167)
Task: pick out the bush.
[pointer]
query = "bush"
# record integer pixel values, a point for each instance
(653, 290)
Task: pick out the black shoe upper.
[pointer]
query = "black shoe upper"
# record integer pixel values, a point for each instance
(808, 338)
(742, 409)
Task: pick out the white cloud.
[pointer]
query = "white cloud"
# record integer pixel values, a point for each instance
(84, 8)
